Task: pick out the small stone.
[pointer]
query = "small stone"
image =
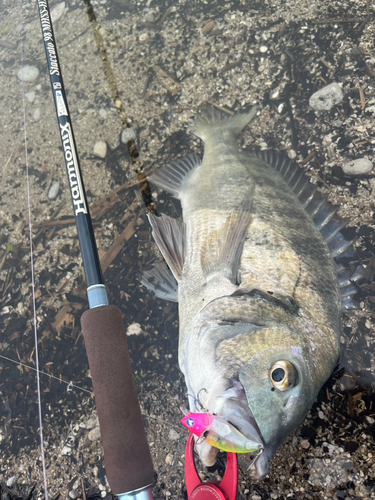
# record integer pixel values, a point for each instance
(263, 49)
(321, 415)
(134, 329)
(169, 459)
(337, 123)
(305, 444)
(143, 37)
(128, 134)
(357, 167)
(325, 98)
(66, 450)
(103, 113)
(94, 434)
(74, 494)
(292, 154)
(369, 420)
(100, 149)
(30, 96)
(149, 17)
(53, 190)
(36, 114)
(263, 145)
(28, 73)
(92, 422)
(173, 435)
(118, 104)
(208, 27)
(57, 11)
(11, 481)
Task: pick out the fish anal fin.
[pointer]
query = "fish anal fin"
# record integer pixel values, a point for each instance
(224, 248)
(169, 235)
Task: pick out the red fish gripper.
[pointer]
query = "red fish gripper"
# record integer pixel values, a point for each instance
(226, 489)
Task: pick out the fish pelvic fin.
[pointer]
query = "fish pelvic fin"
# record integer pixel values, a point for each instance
(171, 176)
(169, 235)
(224, 248)
(212, 119)
(161, 282)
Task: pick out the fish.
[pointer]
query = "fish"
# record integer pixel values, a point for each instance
(259, 268)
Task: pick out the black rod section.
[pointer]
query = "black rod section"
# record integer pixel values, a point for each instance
(90, 257)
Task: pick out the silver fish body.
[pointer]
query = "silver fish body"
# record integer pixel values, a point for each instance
(258, 294)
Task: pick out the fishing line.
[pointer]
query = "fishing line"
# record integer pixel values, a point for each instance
(70, 384)
(32, 273)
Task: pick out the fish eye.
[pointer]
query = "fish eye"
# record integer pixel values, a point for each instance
(283, 375)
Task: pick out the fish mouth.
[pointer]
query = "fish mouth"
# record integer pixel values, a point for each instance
(232, 405)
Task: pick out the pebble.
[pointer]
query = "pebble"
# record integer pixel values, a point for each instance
(103, 113)
(92, 422)
(57, 11)
(30, 73)
(325, 98)
(321, 415)
(74, 494)
(208, 27)
(36, 114)
(134, 329)
(357, 167)
(292, 154)
(66, 450)
(143, 37)
(11, 481)
(173, 435)
(100, 149)
(94, 434)
(128, 134)
(169, 459)
(263, 49)
(30, 96)
(53, 190)
(305, 444)
(149, 17)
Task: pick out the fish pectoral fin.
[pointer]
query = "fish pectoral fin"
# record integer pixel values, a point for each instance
(161, 281)
(171, 176)
(223, 250)
(169, 235)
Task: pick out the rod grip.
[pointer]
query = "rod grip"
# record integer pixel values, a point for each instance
(126, 453)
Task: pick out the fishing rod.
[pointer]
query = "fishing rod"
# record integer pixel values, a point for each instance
(127, 456)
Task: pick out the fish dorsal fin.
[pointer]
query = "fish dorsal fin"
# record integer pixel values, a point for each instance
(211, 119)
(223, 250)
(161, 281)
(171, 176)
(323, 213)
(169, 235)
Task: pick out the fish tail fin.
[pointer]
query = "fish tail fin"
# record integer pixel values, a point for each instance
(213, 119)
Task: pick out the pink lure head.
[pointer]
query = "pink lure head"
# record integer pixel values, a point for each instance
(198, 423)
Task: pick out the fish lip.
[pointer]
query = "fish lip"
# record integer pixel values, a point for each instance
(232, 405)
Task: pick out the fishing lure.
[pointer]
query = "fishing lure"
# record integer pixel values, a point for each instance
(219, 433)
